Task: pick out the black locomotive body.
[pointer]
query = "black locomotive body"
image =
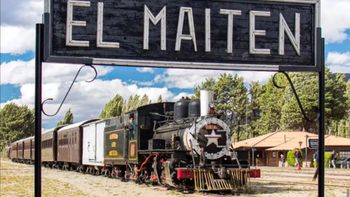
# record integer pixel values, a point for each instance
(171, 144)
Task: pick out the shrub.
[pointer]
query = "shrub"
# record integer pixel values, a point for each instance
(291, 157)
(327, 159)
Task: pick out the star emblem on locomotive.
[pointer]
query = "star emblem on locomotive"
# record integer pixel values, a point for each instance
(212, 138)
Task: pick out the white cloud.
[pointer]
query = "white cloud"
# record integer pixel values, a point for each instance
(182, 95)
(21, 12)
(181, 78)
(250, 76)
(18, 19)
(335, 19)
(145, 70)
(339, 62)
(23, 72)
(17, 39)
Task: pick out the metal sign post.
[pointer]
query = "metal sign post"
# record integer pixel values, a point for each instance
(38, 106)
(321, 120)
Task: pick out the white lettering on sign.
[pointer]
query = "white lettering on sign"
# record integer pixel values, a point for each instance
(148, 16)
(295, 40)
(255, 32)
(161, 18)
(70, 23)
(180, 36)
(99, 42)
(230, 14)
(207, 30)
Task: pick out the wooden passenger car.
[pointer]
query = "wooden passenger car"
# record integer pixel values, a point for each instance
(20, 149)
(14, 151)
(69, 143)
(49, 146)
(28, 149)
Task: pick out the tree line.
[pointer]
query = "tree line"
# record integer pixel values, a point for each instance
(254, 109)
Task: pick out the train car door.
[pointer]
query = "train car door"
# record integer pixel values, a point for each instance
(132, 131)
(89, 136)
(100, 126)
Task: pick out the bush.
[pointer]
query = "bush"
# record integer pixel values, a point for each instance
(291, 157)
(327, 159)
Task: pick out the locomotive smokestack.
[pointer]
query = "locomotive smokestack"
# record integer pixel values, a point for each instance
(206, 98)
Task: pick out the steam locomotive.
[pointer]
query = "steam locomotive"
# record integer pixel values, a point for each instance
(185, 145)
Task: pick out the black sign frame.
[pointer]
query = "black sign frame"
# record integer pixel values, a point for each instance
(43, 54)
(50, 56)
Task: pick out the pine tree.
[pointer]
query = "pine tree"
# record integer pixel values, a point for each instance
(208, 84)
(255, 91)
(306, 85)
(144, 100)
(270, 102)
(232, 100)
(113, 108)
(68, 119)
(160, 99)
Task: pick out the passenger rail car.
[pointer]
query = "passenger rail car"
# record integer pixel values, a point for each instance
(14, 151)
(49, 147)
(28, 150)
(22, 150)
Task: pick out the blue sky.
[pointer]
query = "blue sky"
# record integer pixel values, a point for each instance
(18, 20)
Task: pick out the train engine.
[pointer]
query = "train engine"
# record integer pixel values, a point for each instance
(193, 150)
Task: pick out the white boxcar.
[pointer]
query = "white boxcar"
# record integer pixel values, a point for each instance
(93, 143)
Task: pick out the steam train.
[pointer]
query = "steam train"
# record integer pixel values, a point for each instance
(185, 145)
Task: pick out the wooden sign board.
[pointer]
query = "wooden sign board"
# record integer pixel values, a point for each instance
(267, 35)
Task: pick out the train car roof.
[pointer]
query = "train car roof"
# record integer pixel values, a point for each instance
(97, 121)
(149, 105)
(78, 124)
(52, 129)
(28, 138)
(21, 140)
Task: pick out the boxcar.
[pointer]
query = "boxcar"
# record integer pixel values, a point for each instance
(49, 146)
(69, 148)
(28, 152)
(93, 143)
